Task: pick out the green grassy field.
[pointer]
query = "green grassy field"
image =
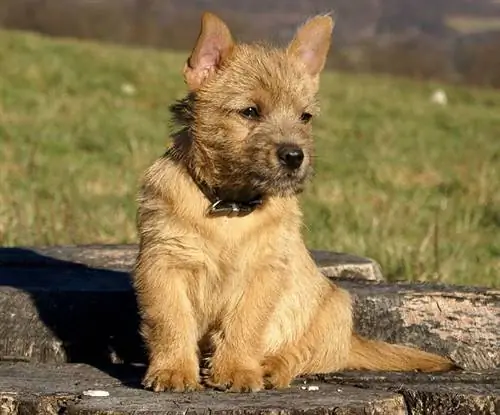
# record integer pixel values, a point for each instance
(411, 184)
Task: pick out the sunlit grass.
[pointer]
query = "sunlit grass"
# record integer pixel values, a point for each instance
(411, 184)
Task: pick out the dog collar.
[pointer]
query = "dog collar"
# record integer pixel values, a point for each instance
(220, 206)
(226, 207)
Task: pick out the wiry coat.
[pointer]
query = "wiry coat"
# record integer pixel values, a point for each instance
(243, 289)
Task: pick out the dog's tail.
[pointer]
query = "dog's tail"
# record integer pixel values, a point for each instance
(381, 356)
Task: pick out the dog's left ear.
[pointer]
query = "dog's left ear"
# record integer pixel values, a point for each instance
(213, 45)
(312, 42)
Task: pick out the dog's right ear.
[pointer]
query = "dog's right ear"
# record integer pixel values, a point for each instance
(213, 45)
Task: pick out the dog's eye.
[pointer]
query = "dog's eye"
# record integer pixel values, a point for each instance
(252, 113)
(305, 117)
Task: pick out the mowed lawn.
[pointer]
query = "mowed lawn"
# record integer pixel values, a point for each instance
(414, 185)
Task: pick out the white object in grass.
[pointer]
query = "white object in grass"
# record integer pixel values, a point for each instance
(128, 89)
(439, 97)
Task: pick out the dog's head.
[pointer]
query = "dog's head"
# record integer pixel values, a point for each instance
(250, 108)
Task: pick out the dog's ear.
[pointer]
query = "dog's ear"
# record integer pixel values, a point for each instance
(213, 45)
(311, 43)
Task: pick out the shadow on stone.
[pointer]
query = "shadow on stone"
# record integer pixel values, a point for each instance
(89, 313)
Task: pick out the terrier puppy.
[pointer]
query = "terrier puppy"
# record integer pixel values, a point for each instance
(222, 268)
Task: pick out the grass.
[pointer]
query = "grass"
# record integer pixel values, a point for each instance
(409, 183)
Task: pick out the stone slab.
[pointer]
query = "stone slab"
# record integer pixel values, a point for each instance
(122, 257)
(30, 389)
(65, 306)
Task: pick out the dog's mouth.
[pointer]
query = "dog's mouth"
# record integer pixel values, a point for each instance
(292, 183)
(280, 182)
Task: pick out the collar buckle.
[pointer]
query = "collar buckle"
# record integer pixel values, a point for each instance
(222, 207)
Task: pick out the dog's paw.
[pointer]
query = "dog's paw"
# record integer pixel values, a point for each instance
(161, 379)
(276, 373)
(235, 379)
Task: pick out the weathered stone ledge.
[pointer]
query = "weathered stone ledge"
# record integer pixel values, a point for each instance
(75, 305)
(29, 389)
(68, 322)
(121, 258)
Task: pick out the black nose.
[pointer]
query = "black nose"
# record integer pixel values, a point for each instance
(291, 156)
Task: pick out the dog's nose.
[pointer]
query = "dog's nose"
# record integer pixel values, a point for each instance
(291, 156)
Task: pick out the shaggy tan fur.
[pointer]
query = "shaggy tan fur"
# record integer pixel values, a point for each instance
(242, 289)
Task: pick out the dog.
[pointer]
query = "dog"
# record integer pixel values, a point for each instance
(229, 296)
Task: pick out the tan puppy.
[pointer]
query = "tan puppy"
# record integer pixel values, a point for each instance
(222, 267)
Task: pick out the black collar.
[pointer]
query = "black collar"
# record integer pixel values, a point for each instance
(220, 206)
(226, 207)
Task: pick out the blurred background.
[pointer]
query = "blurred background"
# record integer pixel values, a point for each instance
(408, 140)
(454, 40)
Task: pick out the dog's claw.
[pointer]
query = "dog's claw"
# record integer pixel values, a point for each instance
(171, 380)
(243, 380)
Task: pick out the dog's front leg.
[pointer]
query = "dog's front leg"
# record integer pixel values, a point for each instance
(235, 363)
(168, 324)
